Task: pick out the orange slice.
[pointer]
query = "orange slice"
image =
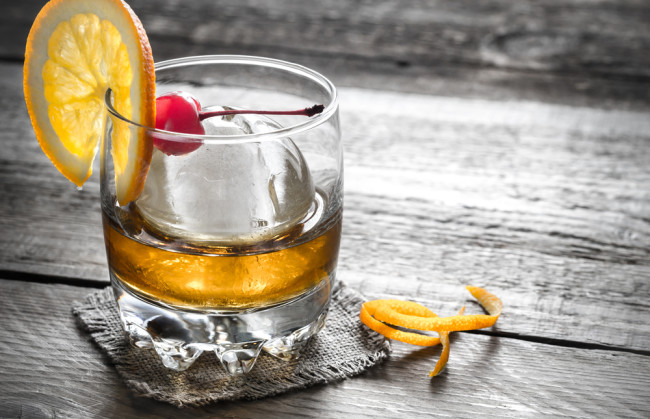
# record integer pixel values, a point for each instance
(76, 50)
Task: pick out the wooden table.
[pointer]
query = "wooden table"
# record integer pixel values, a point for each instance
(497, 143)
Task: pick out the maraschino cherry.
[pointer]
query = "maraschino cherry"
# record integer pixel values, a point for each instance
(181, 112)
(177, 112)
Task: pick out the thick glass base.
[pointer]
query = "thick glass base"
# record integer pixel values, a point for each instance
(236, 338)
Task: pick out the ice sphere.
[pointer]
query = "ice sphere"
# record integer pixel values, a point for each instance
(229, 193)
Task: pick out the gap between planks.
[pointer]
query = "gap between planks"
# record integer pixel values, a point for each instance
(51, 279)
(566, 343)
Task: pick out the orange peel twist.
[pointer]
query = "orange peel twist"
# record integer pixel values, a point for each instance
(396, 313)
(379, 315)
(369, 309)
(444, 355)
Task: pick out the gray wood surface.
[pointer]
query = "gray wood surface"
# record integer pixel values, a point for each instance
(51, 368)
(500, 144)
(433, 183)
(568, 51)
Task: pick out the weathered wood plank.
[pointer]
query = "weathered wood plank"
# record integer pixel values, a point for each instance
(545, 205)
(49, 368)
(605, 37)
(534, 201)
(564, 52)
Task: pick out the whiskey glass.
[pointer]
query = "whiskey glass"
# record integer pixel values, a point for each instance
(232, 247)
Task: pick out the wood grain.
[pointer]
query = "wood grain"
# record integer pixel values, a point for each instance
(48, 368)
(502, 144)
(526, 199)
(545, 205)
(526, 35)
(573, 52)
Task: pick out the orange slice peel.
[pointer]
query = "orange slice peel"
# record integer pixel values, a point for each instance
(383, 316)
(76, 50)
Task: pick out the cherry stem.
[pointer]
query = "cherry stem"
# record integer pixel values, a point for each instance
(316, 109)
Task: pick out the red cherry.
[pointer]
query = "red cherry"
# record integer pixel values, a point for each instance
(181, 112)
(177, 112)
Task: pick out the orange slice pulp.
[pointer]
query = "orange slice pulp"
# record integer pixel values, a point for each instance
(76, 50)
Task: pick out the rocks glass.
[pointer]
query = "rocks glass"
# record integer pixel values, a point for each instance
(231, 247)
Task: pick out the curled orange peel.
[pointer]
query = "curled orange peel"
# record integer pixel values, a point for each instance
(368, 310)
(379, 315)
(394, 312)
(444, 355)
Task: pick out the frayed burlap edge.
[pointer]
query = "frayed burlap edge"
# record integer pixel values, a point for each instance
(344, 348)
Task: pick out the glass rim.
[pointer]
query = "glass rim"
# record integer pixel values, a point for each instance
(330, 108)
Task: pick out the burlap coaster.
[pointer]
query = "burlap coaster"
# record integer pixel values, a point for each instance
(344, 348)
